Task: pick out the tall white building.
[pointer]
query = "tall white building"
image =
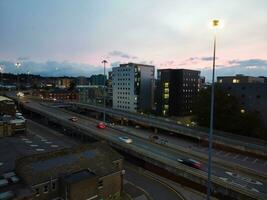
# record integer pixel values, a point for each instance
(133, 87)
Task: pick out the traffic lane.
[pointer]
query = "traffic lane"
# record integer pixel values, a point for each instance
(255, 164)
(140, 144)
(216, 171)
(157, 190)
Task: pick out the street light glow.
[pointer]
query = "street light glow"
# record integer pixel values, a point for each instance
(216, 24)
(17, 64)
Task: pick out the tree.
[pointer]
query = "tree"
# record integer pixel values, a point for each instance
(72, 86)
(227, 114)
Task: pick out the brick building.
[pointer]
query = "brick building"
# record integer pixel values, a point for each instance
(86, 172)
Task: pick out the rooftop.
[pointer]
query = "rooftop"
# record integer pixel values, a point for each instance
(98, 157)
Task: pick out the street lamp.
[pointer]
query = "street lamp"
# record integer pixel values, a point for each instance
(17, 65)
(215, 25)
(28, 78)
(104, 93)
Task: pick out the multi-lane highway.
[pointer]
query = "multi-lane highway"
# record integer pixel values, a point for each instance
(156, 151)
(233, 141)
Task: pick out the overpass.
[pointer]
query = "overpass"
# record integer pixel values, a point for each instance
(237, 142)
(154, 154)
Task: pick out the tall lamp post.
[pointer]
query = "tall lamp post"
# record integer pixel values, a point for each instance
(17, 65)
(215, 25)
(104, 94)
(2, 71)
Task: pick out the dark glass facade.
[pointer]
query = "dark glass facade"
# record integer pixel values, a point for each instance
(176, 89)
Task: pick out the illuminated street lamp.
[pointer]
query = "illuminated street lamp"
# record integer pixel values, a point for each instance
(104, 93)
(215, 25)
(17, 65)
(28, 78)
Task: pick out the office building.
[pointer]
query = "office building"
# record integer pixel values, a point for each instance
(85, 172)
(251, 95)
(91, 94)
(63, 82)
(99, 79)
(82, 80)
(133, 87)
(240, 78)
(109, 90)
(176, 89)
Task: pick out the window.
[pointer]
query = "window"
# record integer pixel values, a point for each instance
(235, 80)
(37, 192)
(166, 96)
(45, 188)
(54, 185)
(166, 84)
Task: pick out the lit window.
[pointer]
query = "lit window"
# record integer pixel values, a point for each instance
(166, 84)
(235, 80)
(166, 106)
(166, 96)
(242, 111)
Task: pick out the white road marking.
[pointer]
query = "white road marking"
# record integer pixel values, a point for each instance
(236, 156)
(28, 141)
(1, 164)
(39, 149)
(225, 155)
(34, 145)
(54, 146)
(48, 142)
(255, 160)
(265, 163)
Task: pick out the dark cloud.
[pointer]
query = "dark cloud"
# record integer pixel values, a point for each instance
(204, 58)
(122, 54)
(23, 58)
(250, 67)
(249, 62)
(52, 68)
(115, 64)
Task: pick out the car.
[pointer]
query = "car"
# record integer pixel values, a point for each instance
(126, 139)
(190, 162)
(155, 137)
(74, 119)
(101, 125)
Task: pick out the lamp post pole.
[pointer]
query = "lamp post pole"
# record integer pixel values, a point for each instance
(17, 66)
(215, 24)
(2, 71)
(104, 93)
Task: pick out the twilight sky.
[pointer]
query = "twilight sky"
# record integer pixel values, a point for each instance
(71, 37)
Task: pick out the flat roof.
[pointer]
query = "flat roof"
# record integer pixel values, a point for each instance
(98, 157)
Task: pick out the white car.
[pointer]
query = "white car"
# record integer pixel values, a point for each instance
(126, 139)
